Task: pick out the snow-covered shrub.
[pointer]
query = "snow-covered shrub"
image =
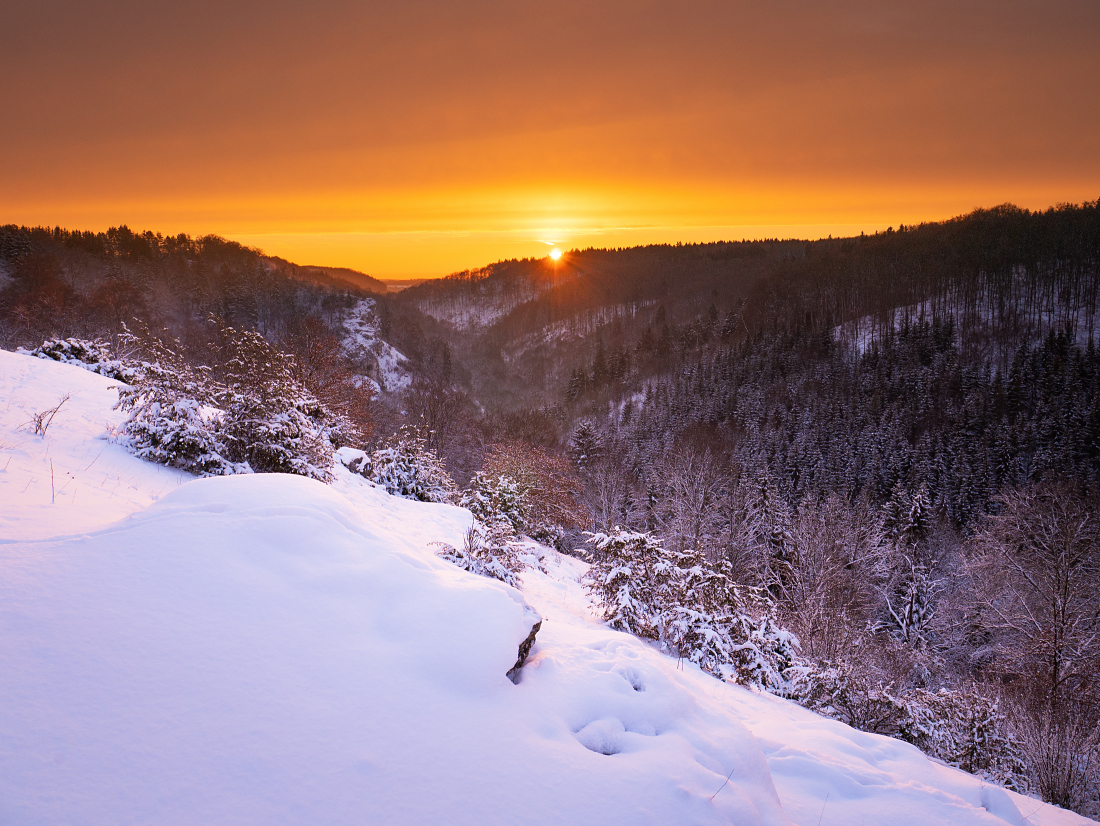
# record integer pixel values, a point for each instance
(288, 441)
(253, 416)
(271, 422)
(964, 729)
(622, 580)
(490, 551)
(729, 630)
(693, 608)
(699, 637)
(841, 692)
(490, 498)
(91, 355)
(764, 653)
(172, 415)
(179, 433)
(408, 468)
(960, 727)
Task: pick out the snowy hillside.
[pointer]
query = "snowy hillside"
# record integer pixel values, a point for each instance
(477, 299)
(269, 649)
(363, 345)
(484, 303)
(1082, 323)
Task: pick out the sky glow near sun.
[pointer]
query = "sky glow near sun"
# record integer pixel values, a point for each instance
(418, 139)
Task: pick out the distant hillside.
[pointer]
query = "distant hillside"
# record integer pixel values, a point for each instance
(335, 277)
(62, 282)
(396, 285)
(1005, 276)
(71, 283)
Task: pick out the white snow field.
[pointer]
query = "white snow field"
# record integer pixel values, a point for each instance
(267, 649)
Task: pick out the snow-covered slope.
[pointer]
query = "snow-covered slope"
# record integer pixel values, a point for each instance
(480, 302)
(362, 344)
(268, 649)
(73, 479)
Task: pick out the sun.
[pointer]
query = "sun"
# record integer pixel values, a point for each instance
(555, 253)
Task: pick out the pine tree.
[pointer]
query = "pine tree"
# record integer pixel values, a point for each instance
(624, 579)
(584, 445)
(918, 522)
(493, 498)
(578, 383)
(408, 468)
(895, 515)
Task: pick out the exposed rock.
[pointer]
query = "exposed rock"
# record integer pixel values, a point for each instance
(353, 459)
(524, 650)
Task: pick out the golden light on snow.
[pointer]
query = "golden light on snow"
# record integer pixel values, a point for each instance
(555, 253)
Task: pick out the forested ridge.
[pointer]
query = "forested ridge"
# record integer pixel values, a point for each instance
(70, 282)
(823, 418)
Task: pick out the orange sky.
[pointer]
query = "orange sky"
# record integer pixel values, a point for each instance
(418, 138)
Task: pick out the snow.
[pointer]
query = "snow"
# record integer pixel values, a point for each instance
(72, 479)
(269, 649)
(861, 332)
(481, 303)
(361, 342)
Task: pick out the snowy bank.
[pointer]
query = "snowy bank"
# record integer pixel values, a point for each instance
(72, 479)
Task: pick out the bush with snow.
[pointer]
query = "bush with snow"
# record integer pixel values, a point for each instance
(493, 497)
(253, 417)
(965, 729)
(173, 419)
(92, 355)
(272, 423)
(178, 432)
(487, 550)
(729, 630)
(841, 692)
(694, 609)
(410, 469)
(621, 579)
(764, 652)
(734, 646)
(961, 727)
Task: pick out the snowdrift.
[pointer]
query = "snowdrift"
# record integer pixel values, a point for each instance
(269, 649)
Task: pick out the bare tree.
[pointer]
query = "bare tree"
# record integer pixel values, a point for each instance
(548, 484)
(829, 598)
(1036, 569)
(689, 484)
(737, 529)
(607, 492)
(319, 365)
(436, 408)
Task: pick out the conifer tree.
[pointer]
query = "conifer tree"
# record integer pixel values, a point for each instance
(622, 579)
(584, 445)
